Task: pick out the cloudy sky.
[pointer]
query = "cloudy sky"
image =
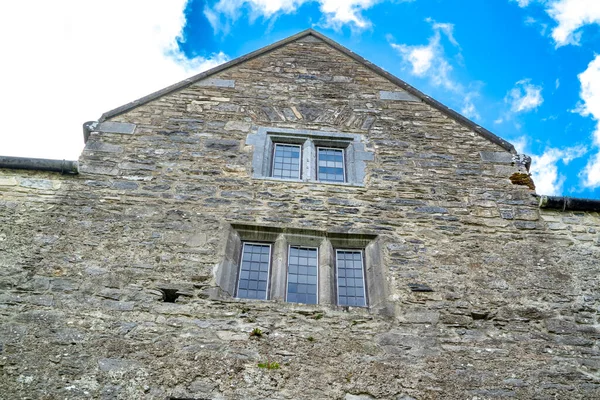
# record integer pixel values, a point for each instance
(528, 70)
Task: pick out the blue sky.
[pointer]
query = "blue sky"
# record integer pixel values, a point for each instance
(525, 69)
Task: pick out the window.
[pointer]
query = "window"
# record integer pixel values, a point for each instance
(302, 266)
(330, 164)
(254, 271)
(350, 278)
(302, 277)
(309, 156)
(286, 161)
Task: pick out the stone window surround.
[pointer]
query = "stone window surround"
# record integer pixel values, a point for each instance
(227, 271)
(355, 153)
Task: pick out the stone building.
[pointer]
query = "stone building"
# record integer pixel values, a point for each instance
(294, 224)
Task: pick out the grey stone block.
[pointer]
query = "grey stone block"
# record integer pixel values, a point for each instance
(99, 169)
(497, 157)
(398, 96)
(103, 147)
(42, 184)
(224, 144)
(432, 210)
(114, 364)
(137, 166)
(116, 127)
(213, 82)
(125, 185)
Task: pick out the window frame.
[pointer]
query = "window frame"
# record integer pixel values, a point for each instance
(239, 272)
(287, 275)
(353, 148)
(364, 277)
(343, 151)
(272, 172)
(233, 236)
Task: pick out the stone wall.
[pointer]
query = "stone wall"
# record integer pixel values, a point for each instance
(514, 301)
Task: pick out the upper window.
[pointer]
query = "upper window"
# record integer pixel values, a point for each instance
(309, 156)
(330, 164)
(286, 161)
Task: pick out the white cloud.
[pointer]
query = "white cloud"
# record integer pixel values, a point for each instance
(468, 109)
(336, 13)
(590, 96)
(522, 3)
(420, 58)
(520, 144)
(591, 172)
(571, 15)
(544, 168)
(524, 96)
(429, 61)
(70, 61)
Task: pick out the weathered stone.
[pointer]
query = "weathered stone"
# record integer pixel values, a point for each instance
(223, 145)
(115, 127)
(213, 82)
(43, 184)
(500, 157)
(237, 126)
(103, 147)
(120, 185)
(400, 96)
(8, 181)
(431, 210)
(86, 262)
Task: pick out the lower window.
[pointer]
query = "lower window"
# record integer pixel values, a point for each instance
(254, 271)
(350, 278)
(302, 275)
(302, 266)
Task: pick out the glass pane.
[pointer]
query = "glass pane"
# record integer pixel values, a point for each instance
(302, 275)
(330, 164)
(350, 278)
(254, 271)
(286, 161)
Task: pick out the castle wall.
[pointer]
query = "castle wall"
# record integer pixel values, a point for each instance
(514, 301)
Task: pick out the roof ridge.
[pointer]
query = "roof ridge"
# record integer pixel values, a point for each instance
(310, 31)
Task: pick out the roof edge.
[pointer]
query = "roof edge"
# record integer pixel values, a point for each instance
(378, 70)
(563, 203)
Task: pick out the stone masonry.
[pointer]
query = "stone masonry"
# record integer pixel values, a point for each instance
(485, 296)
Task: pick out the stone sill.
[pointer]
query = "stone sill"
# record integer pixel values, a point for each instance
(315, 308)
(312, 181)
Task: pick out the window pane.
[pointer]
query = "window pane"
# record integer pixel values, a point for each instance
(302, 275)
(254, 271)
(330, 164)
(286, 161)
(351, 291)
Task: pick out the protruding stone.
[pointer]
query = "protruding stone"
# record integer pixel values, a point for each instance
(398, 96)
(214, 82)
